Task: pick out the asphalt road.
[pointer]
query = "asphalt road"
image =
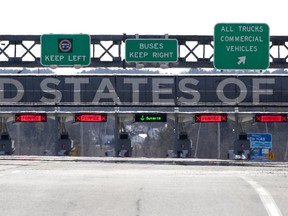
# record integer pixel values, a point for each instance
(32, 187)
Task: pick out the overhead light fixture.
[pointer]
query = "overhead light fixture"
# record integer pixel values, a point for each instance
(139, 66)
(164, 65)
(77, 66)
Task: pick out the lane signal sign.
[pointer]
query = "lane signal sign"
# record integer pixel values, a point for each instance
(91, 117)
(271, 118)
(30, 117)
(211, 118)
(151, 117)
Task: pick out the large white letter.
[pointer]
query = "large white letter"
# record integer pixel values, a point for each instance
(135, 82)
(194, 93)
(19, 91)
(157, 90)
(77, 86)
(105, 91)
(232, 101)
(257, 91)
(44, 87)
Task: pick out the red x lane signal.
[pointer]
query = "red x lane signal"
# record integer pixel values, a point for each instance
(91, 117)
(30, 117)
(210, 117)
(271, 118)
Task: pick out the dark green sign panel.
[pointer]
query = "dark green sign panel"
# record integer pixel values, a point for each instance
(161, 117)
(241, 46)
(65, 50)
(156, 50)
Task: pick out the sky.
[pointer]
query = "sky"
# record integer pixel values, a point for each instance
(181, 17)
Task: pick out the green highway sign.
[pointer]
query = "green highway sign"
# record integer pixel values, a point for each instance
(65, 49)
(161, 117)
(151, 50)
(241, 46)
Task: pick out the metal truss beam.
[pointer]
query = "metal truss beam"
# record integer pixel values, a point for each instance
(195, 51)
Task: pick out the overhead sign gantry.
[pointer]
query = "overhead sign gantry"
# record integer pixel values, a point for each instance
(195, 51)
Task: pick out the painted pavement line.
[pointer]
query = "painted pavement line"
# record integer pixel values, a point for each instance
(266, 198)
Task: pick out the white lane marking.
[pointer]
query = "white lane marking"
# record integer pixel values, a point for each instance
(266, 198)
(13, 172)
(16, 171)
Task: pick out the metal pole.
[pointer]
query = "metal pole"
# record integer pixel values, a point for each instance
(286, 152)
(236, 123)
(176, 133)
(198, 134)
(82, 139)
(18, 147)
(116, 134)
(219, 140)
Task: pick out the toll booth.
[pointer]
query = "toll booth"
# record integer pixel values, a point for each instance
(123, 147)
(6, 144)
(241, 147)
(64, 145)
(183, 146)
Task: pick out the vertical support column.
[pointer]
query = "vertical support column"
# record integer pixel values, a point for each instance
(286, 152)
(81, 139)
(1, 124)
(176, 134)
(236, 123)
(116, 134)
(219, 140)
(197, 140)
(58, 128)
(18, 146)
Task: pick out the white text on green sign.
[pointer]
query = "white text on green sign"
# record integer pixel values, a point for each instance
(65, 50)
(152, 50)
(241, 46)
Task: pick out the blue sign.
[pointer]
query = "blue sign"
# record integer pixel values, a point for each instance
(256, 144)
(261, 145)
(260, 137)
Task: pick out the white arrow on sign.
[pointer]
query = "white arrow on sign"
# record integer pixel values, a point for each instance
(242, 60)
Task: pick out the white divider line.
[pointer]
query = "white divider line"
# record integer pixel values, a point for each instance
(266, 198)
(16, 171)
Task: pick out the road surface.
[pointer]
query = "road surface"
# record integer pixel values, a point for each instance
(33, 188)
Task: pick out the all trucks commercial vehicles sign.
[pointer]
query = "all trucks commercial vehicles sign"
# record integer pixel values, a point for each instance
(241, 46)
